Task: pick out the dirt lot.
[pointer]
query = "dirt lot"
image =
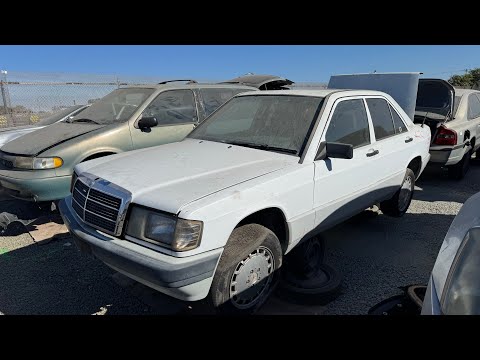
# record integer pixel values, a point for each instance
(375, 254)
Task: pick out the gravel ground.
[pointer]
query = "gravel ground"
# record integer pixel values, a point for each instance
(375, 254)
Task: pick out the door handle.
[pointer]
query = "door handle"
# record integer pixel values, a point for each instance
(408, 139)
(372, 153)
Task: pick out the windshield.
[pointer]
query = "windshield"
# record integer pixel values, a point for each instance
(58, 116)
(275, 122)
(114, 108)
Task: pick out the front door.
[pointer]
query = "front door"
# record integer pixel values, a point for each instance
(176, 114)
(342, 186)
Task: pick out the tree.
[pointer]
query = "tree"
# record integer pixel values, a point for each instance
(470, 79)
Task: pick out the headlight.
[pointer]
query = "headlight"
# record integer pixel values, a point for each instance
(164, 229)
(22, 162)
(461, 294)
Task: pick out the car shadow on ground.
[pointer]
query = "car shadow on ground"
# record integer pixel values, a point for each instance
(56, 279)
(442, 188)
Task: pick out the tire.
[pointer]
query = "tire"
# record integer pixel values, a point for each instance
(318, 288)
(250, 245)
(477, 155)
(459, 170)
(307, 256)
(398, 204)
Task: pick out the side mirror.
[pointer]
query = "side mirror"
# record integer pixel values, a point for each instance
(145, 123)
(334, 150)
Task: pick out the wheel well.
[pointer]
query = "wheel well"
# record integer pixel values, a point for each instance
(415, 165)
(97, 155)
(273, 219)
(472, 142)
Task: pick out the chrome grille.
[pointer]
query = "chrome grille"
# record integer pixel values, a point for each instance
(99, 203)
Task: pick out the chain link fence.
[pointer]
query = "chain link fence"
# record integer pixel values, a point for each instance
(26, 98)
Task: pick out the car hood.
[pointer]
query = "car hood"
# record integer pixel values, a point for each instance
(36, 142)
(402, 87)
(170, 176)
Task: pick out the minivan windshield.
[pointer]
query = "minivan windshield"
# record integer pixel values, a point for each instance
(115, 107)
(58, 116)
(268, 122)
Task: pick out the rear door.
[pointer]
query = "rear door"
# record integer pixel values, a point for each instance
(343, 186)
(176, 113)
(392, 144)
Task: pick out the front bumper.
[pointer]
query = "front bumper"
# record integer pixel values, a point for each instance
(186, 278)
(35, 189)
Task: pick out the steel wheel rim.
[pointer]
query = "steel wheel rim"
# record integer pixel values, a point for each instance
(405, 193)
(252, 278)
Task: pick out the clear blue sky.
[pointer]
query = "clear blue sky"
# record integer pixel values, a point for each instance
(299, 63)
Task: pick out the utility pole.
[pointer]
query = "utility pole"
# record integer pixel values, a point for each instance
(5, 97)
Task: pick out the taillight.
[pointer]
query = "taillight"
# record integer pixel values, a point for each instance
(445, 137)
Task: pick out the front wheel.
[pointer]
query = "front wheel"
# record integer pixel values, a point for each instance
(248, 270)
(398, 204)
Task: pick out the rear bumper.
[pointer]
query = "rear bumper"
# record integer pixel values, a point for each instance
(36, 189)
(447, 156)
(187, 278)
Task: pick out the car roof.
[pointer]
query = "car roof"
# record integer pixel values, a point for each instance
(461, 92)
(318, 93)
(174, 85)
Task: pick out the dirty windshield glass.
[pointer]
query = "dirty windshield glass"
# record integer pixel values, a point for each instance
(114, 108)
(57, 116)
(268, 122)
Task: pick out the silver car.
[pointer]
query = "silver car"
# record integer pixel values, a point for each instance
(453, 288)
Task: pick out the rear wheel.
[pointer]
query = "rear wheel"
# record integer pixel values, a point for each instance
(459, 170)
(398, 205)
(248, 270)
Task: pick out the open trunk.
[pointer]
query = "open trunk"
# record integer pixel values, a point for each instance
(435, 103)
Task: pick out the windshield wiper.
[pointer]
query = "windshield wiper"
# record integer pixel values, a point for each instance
(83, 120)
(263, 147)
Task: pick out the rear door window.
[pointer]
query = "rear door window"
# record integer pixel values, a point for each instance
(349, 124)
(213, 98)
(381, 118)
(473, 107)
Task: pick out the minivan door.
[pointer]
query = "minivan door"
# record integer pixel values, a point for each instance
(176, 114)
